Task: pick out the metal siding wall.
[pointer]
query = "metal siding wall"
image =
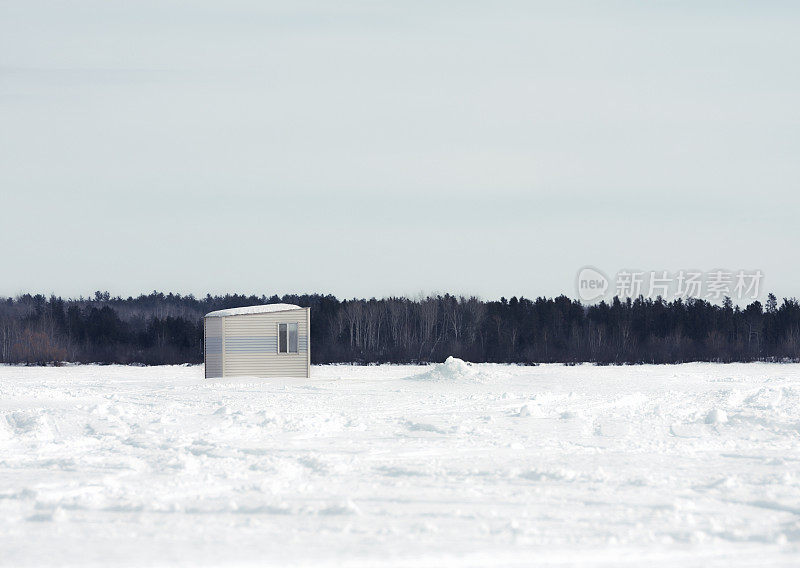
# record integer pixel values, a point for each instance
(213, 347)
(251, 345)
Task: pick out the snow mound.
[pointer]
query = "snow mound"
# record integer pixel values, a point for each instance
(29, 424)
(716, 416)
(766, 398)
(453, 369)
(345, 508)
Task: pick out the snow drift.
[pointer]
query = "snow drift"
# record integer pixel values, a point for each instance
(452, 370)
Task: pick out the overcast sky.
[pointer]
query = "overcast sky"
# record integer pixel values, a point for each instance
(380, 148)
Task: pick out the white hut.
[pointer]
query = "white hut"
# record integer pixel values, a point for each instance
(258, 341)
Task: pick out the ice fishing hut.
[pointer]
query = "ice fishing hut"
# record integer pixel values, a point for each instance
(258, 341)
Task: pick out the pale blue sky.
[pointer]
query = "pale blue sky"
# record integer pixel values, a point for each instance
(378, 148)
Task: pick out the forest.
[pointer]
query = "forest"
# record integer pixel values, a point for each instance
(159, 328)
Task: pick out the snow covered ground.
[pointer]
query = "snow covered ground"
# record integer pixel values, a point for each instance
(483, 465)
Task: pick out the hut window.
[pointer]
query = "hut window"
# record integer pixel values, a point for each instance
(287, 338)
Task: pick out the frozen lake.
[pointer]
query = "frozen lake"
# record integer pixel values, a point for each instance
(484, 465)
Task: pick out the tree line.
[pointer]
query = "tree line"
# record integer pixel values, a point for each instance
(168, 329)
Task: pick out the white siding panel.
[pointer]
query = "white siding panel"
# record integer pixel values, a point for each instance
(213, 347)
(251, 345)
